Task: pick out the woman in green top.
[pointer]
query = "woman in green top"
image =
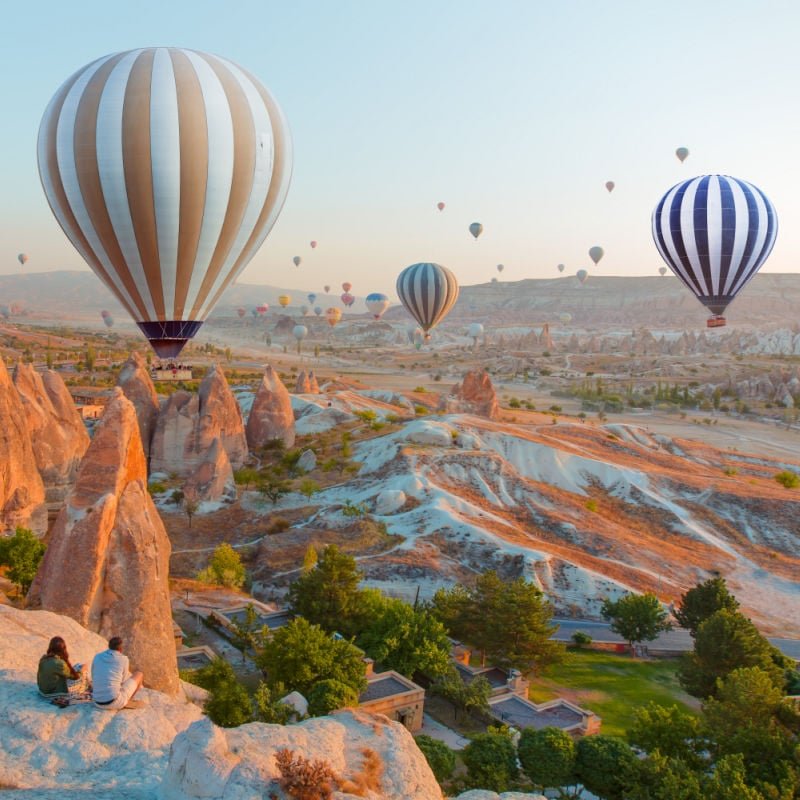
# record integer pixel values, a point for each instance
(56, 675)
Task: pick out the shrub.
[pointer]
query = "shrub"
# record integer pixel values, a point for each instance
(555, 409)
(367, 781)
(278, 525)
(330, 695)
(308, 488)
(156, 487)
(591, 505)
(731, 471)
(367, 415)
(420, 411)
(303, 779)
(420, 389)
(22, 554)
(788, 479)
(224, 568)
(580, 639)
(441, 759)
(514, 403)
(491, 761)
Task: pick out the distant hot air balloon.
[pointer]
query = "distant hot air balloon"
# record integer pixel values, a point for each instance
(262, 309)
(311, 298)
(476, 229)
(377, 304)
(318, 310)
(105, 313)
(297, 261)
(347, 299)
(303, 310)
(560, 267)
(299, 332)
(565, 317)
(440, 206)
(662, 271)
(428, 292)
(109, 321)
(241, 312)
(596, 253)
(500, 267)
(682, 153)
(313, 244)
(475, 331)
(582, 275)
(327, 289)
(333, 315)
(22, 258)
(346, 287)
(494, 279)
(166, 168)
(610, 186)
(714, 232)
(284, 300)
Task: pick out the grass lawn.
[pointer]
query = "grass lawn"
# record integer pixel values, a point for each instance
(612, 686)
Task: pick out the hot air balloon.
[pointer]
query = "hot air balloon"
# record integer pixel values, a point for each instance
(22, 258)
(596, 253)
(333, 315)
(327, 289)
(347, 299)
(428, 292)
(565, 317)
(262, 309)
(682, 153)
(297, 261)
(377, 304)
(714, 232)
(241, 312)
(299, 332)
(662, 271)
(494, 279)
(311, 298)
(105, 313)
(440, 206)
(560, 267)
(500, 267)
(109, 321)
(166, 168)
(303, 310)
(475, 331)
(582, 275)
(346, 287)
(476, 229)
(318, 310)
(284, 300)
(610, 186)
(313, 244)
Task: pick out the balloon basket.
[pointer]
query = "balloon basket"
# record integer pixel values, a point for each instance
(717, 321)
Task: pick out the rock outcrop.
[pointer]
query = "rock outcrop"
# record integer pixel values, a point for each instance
(212, 481)
(271, 416)
(188, 424)
(474, 395)
(108, 560)
(134, 380)
(22, 494)
(303, 386)
(545, 338)
(313, 385)
(58, 435)
(307, 461)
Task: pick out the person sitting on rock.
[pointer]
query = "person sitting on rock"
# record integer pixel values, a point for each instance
(113, 684)
(56, 677)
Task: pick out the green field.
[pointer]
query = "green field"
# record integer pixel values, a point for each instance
(613, 686)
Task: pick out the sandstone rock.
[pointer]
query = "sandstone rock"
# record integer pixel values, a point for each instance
(545, 339)
(313, 386)
(389, 501)
(220, 416)
(474, 395)
(22, 494)
(134, 380)
(79, 751)
(302, 386)
(271, 416)
(307, 461)
(58, 435)
(240, 762)
(171, 448)
(212, 481)
(485, 794)
(111, 542)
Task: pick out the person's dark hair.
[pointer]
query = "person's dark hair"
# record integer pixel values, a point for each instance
(58, 648)
(115, 643)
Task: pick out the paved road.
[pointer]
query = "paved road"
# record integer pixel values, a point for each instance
(678, 639)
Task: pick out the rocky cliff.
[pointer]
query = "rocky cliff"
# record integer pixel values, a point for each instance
(474, 395)
(271, 415)
(107, 563)
(134, 380)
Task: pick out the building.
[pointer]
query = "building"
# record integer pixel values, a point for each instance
(393, 695)
(171, 372)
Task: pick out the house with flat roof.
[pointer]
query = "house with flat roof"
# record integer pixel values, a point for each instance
(519, 712)
(393, 695)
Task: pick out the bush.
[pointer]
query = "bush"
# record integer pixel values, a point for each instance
(278, 525)
(581, 639)
(591, 505)
(303, 779)
(420, 389)
(788, 479)
(547, 756)
(514, 403)
(441, 759)
(21, 553)
(156, 487)
(491, 761)
(420, 411)
(330, 695)
(225, 568)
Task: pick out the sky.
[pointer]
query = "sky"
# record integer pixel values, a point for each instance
(513, 113)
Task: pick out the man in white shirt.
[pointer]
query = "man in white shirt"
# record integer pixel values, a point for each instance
(113, 686)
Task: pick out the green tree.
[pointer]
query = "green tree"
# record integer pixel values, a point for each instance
(491, 761)
(310, 559)
(547, 756)
(328, 595)
(228, 703)
(636, 617)
(441, 759)
(329, 695)
(308, 488)
(671, 731)
(21, 554)
(472, 697)
(406, 640)
(89, 358)
(225, 568)
(705, 599)
(273, 487)
(300, 655)
(246, 476)
(604, 765)
(267, 705)
(658, 777)
(728, 781)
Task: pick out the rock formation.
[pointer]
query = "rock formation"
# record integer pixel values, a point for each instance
(474, 395)
(22, 495)
(313, 386)
(188, 424)
(58, 435)
(307, 461)
(134, 380)
(302, 386)
(108, 560)
(271, 416)
(212, 481)
(545, 339)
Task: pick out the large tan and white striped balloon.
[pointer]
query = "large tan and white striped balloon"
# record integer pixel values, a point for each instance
(166, 168)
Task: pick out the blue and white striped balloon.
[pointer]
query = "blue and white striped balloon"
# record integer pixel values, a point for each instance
(714, 232)
(428, 291)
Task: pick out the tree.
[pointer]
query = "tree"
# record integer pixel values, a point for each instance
(671, 731)
(308, 488)
(246, 476)
(273, 487)
(441, 759)
(328, 595)
(89, 358)
(705, 599)
(547, 756)
(190, 506)
(491, 761)
(406, 640)
(21, 554)
(604, 765)
(310, 559)
(300, 655)
(469, 697)
(229, 705)
(636, 617)
(267, 705)
(329, 695)
(224, 568)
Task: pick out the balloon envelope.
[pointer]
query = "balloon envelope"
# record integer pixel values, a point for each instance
(662, 271)
(346, 286)
(304, 310)
(500, 267)
(318, 310)
(714, 232)
(347, 299)
(299, 332)
(333, 315)
(166, 168)
(682, 153)
(262, 309)
(565, 317)
(327, 289)
(596, 253)
(109, 321)
(610, 186)
(428, 291)
(476, 229)
(475, 330)
(297, 261)
(22, 258)
(582, 275)
(440, 206)
(560, 267)
(313, 244)
(311, 298)
(377, 304)
(241, 312)
(284, 300)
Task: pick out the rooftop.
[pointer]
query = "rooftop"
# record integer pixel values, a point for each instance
(497, 677)
(521, 713)
(386, 684)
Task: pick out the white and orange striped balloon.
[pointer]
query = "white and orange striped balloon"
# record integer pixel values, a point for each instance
(166, 168)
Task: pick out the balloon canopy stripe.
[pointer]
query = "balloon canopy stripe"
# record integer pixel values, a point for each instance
(428, 291)
(714, 232)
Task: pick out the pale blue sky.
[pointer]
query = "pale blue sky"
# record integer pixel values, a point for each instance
(513, 113)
